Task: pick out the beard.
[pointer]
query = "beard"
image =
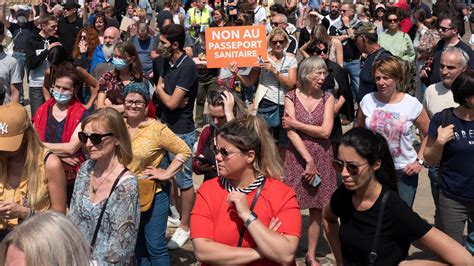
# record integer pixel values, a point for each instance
(108, 50)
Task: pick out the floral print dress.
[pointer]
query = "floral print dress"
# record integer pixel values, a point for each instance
(118, 231)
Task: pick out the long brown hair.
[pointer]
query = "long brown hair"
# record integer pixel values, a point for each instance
(128, 50)
(92, 39)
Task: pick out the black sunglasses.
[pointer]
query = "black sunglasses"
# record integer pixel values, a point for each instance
(278, 42)
(444, 29)
(352, 168)
(95, 138)
(275, 24)
(393, 20)
(320, 51)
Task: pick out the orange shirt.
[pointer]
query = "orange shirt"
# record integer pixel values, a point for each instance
(213, 218)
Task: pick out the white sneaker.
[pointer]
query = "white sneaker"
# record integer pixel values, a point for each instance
(173, 222)
(180, 237)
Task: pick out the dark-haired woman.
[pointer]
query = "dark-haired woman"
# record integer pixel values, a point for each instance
(222, 107)
(249, 169)
(368, 175)
(127, 68)
(100, 24)
(58, 65)
(86, 41)
(451, 144)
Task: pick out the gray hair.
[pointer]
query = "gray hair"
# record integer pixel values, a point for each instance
(48, 238)
(308, 66)
(452, 49)
(282, 17)
(142, 27)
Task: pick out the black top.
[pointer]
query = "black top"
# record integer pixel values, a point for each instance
(67, 32)
(22, 35)
(293, 46)
(179, 76)
(400, 227)
(305, 36)
(204, 74)
(37, 42)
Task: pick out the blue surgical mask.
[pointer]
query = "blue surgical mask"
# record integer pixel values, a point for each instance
(119, 63)
(62, 98)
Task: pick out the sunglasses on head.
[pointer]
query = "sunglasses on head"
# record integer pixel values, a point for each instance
(95, 138)
(352, 168)
(444, 29)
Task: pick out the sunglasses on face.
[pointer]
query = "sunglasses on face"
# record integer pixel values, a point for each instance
(95, 138)
(352, 168)
(444, 29)
(320, 51)
(392, 20)
(278, 42)
(275, 24)
(223, 151)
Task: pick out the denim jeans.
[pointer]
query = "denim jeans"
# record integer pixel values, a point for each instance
(470, 236)
(184, 179)
(407, 185)
(21, 59)
(433, 175)
(353, 69)
(36, 99)
(151, 246)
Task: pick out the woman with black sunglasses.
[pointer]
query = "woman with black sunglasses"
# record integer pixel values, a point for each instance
(368, 176)
(224, 229)
(105, 199)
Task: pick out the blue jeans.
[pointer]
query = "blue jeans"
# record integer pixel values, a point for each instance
(433, 175)
(21, 59)
(407, 185)
(470, 236)
(184, 179)
(353, 69)
(151, 246)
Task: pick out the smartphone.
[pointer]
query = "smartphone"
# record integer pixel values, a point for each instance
(260, 60)
(316, 181)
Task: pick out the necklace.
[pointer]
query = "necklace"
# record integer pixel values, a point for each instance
(94, 190)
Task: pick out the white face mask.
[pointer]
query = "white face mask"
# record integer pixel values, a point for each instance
(136, 18)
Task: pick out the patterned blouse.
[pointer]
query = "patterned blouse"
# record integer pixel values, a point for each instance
(111, 84)
(119, 228)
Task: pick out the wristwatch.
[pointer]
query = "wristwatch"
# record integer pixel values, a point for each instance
(421, 162)
(253, 216)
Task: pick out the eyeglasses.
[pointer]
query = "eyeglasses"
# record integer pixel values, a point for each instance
(380, 10)
(352, 168)
(320, 51)
(95, 138)
(444, 29)
(392, 20)
(136, 103)
(223, 151)
(276, 42)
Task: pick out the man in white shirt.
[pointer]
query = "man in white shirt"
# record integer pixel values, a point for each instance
(259, 13)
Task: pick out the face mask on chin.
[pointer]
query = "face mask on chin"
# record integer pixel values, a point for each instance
(166, 52)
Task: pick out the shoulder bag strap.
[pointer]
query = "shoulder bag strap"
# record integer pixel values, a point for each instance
(242, 231)
(97, 227)
(378, 229)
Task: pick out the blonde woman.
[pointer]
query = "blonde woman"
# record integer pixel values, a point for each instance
(48, 238)
(32, 178)
(277, 76)
(249, 168)
(105, 185)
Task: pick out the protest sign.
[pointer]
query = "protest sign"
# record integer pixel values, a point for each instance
(244, 45)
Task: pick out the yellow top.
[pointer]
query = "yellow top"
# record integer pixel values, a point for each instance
(151, 142)
(19, 194)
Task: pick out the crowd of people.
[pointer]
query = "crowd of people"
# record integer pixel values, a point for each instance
(121, 119)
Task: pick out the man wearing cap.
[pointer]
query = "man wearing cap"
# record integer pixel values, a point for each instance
(10, 79)
(69, 25)
(367, 41)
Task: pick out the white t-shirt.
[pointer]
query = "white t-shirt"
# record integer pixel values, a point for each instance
(271, 82)
(259, 15)
(437, 98)
(394, 122)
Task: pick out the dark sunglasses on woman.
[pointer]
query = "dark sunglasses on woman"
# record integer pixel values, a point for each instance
(95, 138)
(352, 168)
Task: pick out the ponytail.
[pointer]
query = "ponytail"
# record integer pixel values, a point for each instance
(251, 133)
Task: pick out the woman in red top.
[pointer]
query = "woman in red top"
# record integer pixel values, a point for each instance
(247, 159)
